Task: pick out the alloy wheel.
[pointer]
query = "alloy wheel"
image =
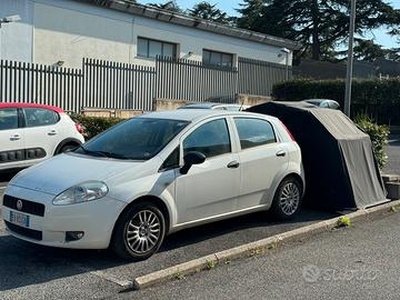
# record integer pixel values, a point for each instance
(143, 231)
(289, 198)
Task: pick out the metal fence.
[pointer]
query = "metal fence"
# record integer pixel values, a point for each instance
(117, 85)
(258, 77)
(190, 80)
(26, 82)
(112, 85)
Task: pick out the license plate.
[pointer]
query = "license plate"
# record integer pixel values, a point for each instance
(19, 219)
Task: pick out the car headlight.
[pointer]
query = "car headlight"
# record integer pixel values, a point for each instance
(86, 191)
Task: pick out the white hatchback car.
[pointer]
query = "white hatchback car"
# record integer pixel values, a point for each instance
(153, 175)
(31, 133)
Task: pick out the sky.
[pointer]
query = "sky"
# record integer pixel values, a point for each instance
(229, 7)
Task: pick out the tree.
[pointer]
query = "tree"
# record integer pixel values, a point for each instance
(320, 26)
(169, 5)
(207, 11)
(251, 13)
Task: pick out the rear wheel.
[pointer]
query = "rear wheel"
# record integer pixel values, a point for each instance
(139, 232)
(287, 200)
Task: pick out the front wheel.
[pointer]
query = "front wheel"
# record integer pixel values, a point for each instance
(287, 199)
(139, 232)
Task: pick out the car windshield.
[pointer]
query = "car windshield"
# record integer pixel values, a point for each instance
(137, 139)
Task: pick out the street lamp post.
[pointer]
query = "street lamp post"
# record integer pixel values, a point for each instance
(349, 69)
(286, 52)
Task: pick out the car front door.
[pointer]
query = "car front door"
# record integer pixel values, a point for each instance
(211, 188)
(262, 158)
(12, 139)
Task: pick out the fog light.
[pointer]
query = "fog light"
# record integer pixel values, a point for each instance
(73, 235)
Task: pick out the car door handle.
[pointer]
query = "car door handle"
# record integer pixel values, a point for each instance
(15, 137)
(52, 132)
(280, 153)
(233, 164)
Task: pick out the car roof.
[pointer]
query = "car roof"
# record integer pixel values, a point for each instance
(208, 105)
(30, 105)
(197, 114)
(317, 100)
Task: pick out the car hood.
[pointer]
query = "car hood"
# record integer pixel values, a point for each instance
(66, 170)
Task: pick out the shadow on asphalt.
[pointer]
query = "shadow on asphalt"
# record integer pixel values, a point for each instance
(24, 263)
(252, 221)
(6, 176)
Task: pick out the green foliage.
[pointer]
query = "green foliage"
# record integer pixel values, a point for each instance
(95, 125)
(207, 11)
(320, 26)
(344, 221)
(168, 5)
(378, 134)
(210, 264)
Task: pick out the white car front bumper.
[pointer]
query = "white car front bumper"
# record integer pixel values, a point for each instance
(41, 222)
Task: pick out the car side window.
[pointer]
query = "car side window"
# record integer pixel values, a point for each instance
(211, 139)
(8, 118)
(39, 117)
(172, 161)
(254, 132)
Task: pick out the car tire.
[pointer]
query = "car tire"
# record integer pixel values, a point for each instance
(287, 199)
(139, 232)
(67, 148)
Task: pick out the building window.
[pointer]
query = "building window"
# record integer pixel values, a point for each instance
(217, 58)
(151, 48)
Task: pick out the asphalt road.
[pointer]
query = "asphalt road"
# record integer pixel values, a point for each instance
(29, 271)
(359, 262)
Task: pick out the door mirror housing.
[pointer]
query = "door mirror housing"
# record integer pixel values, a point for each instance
(190, 159)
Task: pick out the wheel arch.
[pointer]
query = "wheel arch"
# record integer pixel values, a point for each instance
(298, 178)
(149, 199)
(68, 141)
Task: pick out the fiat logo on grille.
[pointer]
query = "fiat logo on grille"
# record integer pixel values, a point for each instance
(19, 204)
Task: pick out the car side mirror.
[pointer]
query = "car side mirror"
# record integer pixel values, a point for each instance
(190, 159)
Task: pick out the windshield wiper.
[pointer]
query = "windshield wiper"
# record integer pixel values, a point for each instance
(90, 152)
(103, 153)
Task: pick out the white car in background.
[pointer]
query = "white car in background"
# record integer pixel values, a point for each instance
(31, 133)
(155, 174)
(214, 105)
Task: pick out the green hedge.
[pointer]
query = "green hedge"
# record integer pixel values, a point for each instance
(379, 99)
(95, 125)
(379, 137)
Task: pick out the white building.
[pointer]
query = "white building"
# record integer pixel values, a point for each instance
(62, 32)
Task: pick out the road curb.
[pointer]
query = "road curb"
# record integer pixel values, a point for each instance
(258, 247)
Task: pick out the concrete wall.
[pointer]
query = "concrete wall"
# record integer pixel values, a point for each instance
(67, 31)
(16, 37)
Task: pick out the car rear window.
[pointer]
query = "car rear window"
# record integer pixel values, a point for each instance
(254, 132)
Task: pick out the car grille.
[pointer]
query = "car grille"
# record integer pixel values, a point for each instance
(29, 233)
(28, 207)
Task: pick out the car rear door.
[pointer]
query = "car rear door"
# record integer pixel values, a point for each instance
(262, 159)
(211, 188)
(42, 132)
(12, 139)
